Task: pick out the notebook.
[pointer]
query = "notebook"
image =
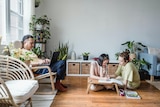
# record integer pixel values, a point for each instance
(53, 59)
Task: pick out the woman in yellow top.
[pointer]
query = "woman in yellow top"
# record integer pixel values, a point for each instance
(127, 72)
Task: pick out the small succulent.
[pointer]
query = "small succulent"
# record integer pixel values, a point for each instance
(85, 54)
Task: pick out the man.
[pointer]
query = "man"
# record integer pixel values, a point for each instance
(59, 66)
(127, 72)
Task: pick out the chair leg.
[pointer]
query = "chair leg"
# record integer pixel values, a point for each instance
(88, 85)
(88, 88)
(117, 90)
(52, 83)
(151, 78)
(29, 102)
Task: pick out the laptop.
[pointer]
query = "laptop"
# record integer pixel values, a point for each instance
(53, 59)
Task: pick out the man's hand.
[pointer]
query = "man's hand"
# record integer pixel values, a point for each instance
(46, 61)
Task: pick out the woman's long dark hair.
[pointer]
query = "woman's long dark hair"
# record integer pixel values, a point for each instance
(101, 58)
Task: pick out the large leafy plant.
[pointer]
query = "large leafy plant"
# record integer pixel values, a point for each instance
(63, 49)
(133, 46)
(38, 52)
(141, 62)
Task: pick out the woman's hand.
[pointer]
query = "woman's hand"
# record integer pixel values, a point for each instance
(108, 76)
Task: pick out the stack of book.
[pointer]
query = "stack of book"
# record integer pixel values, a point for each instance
(132, 94)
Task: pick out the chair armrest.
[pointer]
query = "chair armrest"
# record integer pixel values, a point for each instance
(50, 73)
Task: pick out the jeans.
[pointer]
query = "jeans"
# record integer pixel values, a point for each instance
(59, 67)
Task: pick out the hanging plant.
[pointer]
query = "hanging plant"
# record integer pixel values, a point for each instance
(37, 3)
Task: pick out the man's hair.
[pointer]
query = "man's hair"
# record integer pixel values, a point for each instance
(26, 37)
(101, 58)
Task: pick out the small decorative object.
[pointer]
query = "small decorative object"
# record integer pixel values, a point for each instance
(121, 92)
(85, 55)
(73, 55)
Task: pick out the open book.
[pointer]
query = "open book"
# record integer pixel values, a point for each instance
(109, 81)
(132, 94)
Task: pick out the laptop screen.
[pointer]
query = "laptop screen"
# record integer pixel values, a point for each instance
(54, 57)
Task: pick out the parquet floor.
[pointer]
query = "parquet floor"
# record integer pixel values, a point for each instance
(76, 96)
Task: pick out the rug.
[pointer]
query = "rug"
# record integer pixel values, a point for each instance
(43, 100)
(154, 83)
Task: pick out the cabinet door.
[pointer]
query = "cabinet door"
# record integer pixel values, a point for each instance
(112, 67)
(85, 68)
(73, 67)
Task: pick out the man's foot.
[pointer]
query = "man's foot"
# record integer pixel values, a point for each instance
(64, 85)
(59, 87)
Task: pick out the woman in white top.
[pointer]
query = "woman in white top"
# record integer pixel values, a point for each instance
(98, 70)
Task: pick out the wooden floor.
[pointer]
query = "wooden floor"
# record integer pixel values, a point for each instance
(76, 96)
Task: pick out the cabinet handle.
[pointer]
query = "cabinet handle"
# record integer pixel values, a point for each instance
(73, 64)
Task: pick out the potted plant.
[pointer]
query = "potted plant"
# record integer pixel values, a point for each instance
(133, 47)
(40, 28)
(63, 49)
(37, 3)
(140, 63)
(38, 52)
(85, 55)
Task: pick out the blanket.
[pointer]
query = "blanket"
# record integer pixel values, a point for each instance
(154, 51)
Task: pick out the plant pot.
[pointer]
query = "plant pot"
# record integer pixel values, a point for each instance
(39, 26)
(144, 75)
(85, 57)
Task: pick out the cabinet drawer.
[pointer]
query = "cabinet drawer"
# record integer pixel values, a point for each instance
(73, 68)
(112, 68)
(85, 68)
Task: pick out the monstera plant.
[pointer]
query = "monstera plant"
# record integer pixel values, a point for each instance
(133, 47)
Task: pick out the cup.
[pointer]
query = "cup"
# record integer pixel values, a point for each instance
(121, 92)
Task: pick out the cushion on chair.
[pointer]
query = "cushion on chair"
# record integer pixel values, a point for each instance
(22, 89)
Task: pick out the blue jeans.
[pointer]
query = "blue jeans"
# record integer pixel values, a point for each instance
(59, 67)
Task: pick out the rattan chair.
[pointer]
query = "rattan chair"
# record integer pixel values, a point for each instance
(17, 83)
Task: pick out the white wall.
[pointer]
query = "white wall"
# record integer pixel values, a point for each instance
(98, 26)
